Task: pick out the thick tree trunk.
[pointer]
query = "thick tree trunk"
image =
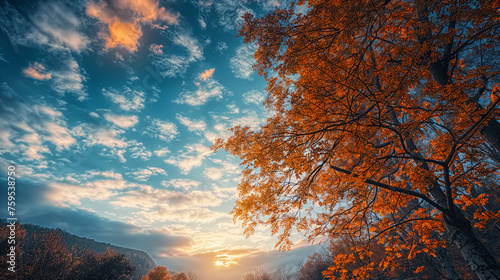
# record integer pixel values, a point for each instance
(475, 254)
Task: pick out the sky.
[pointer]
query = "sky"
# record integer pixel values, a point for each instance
(108, 110)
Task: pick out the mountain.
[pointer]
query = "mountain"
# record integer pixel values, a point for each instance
(141, 260)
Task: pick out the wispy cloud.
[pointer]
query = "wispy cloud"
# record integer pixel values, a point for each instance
(254, 96)
(192, 125)
(145, 173)
(172, 65)
(191, 156)
(206, 91)
(162, 152)
(70, 79)
(31, 126)
(162, 130)
(242, 61)
(53, 27)
(121, 120)
(128, 100)
(185, 184)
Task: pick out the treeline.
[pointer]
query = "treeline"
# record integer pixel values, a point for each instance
(45, 254)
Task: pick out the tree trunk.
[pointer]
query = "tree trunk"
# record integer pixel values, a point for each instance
(475, 254)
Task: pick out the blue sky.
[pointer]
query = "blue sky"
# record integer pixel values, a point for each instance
(108, 110)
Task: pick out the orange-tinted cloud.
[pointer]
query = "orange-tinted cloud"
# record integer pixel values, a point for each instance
(125, 34)
(126, 30)
(207, 74)
(156, 49)
(36, 71)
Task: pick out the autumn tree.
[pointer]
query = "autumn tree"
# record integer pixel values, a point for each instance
(383, 124)
(314, 266)
(158, 273)
(180, 276)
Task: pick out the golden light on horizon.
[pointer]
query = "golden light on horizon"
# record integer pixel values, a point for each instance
(224, 261)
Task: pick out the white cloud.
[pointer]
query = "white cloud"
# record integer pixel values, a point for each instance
(59, 136)
(172, 65)
(233, 109)
(254, 96)
(162, 130)
(162, 152)
(121, 120)
(217, 173)
(69, 79)
(52, 27)
(95, 135)
(30, 127)
(66, 195)
(128, 100)
(139, 151)
(192, 156)
(242, 62)
(206, 90)
(221, 47)
(145, 173)
(147, 197)
(194, 48)
(184, 184)
(94, 114)
(191, 125)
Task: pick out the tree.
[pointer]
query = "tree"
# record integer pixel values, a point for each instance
(314, 266)
(180, 276)
(384, 123)
(158, 273)
(257, 275)
(108, 265)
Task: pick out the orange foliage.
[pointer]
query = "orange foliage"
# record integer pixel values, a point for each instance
(378, 132)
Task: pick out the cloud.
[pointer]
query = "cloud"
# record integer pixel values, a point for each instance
(206, 91)
(156, 49)
(254, 96)
(97, 135)
(191, 125)
(207, 74)
(192, 45)
(241, 64)
(139, 151)
(123, 19)
(162, 152)
(128, 100)
(36, 71)
(145, 173)
(30, 126)
(172, 65)
(147, 197)
(191, 156)
(121, 121)
(52, 27)
(59, 135)
(68, 78)
(221, 47)
(184, 184)
(162, 130)
(217, 173)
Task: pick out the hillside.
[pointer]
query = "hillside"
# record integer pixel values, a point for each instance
(141, 260)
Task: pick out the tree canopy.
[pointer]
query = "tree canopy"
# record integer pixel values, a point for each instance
(383, 128)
